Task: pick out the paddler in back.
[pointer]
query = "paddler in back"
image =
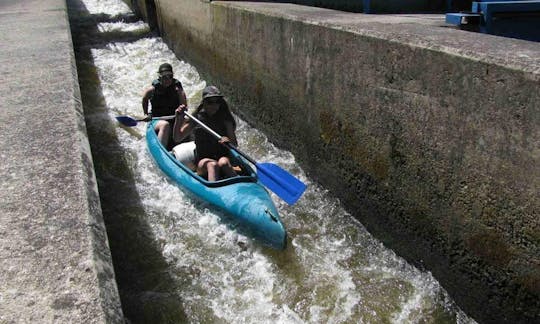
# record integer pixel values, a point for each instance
(165, 95)
(212, 158)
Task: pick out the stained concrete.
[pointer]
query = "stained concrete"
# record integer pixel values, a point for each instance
(55, 261)
(429, 135)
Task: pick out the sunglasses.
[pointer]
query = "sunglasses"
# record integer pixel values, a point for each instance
(213, 101)
(166, 77)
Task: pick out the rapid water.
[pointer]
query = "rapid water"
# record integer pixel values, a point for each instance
(177, 261)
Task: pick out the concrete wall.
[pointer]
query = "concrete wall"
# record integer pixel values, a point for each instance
(430, 136)
(55, 263)
(375, 6)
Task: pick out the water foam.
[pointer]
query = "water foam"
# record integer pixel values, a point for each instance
(334, 271)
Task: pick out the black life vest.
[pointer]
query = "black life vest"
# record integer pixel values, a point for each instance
(207, 146)
(165, 100)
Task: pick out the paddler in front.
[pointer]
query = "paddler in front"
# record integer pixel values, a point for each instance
(213, 159)
(165, 95)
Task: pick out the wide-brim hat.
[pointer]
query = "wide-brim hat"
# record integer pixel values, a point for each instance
(211, 91)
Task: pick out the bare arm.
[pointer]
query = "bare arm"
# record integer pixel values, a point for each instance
(182, 95)
(182, 127)
(231, 135)
(145, 99)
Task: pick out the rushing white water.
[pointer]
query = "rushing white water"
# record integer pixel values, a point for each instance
(109, 7)
(333, 270)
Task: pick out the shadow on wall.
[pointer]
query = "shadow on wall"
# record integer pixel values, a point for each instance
(152, 16)
(147, 291)
(149, 13)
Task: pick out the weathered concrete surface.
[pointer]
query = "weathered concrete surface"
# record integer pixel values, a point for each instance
(386, 6)
(55, 264)
(379, 6)
(429, 135)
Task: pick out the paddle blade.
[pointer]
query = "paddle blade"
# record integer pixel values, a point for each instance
(281, 182)
(126, 121)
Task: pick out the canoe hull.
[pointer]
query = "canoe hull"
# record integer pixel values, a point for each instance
(243, 198)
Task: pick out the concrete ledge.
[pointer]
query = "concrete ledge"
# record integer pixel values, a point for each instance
(55, 260)
(429, 135)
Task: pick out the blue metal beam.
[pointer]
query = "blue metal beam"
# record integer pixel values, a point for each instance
(488, 8)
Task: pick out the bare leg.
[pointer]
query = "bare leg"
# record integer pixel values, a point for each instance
(226, 168)
(210, 168)
(163, 130)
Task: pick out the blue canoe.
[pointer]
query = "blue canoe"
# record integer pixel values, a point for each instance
(244, 198)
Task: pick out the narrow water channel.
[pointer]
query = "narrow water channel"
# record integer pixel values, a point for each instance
(177, 261)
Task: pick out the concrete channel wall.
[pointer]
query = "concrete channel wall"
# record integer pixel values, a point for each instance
(430, 136)
(377, 6)
(55, 262)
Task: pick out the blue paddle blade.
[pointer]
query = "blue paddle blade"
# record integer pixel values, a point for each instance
(126, 121)
(281, 182)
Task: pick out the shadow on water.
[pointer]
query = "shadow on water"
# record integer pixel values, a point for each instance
(148, 291)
